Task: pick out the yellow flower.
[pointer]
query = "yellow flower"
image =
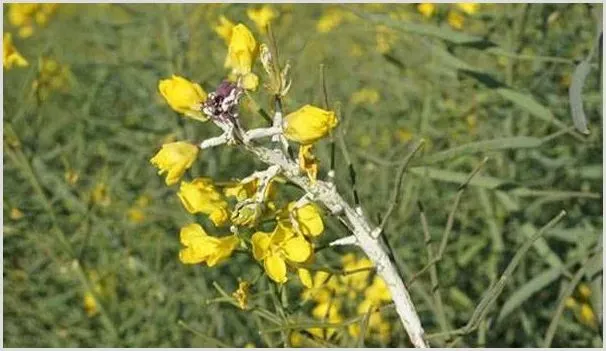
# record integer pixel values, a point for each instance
(308, 162)
(386, 37)
(241, 51)
(224, 29)
(305, 277)
(261, 16)
(184, 96)
(377, 292)
(365, 96)
(358, 281)
(241, 295)
(175, 158)
(201, 196)
(202, 248)
(10, 56)
(90, 304)
(308, 219)
(584, 290)
(309, 124)
(329, 20)
(100, 195)
(586, 316)
(71, 176)
(250, 81)
(469, 8)
(328, 312)
(16, 214)
(277, 248)
(241, 191)
(455, 19)
(570, 302)
(427, 9)
(24, 15)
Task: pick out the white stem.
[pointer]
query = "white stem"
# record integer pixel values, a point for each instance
(214, 141)
(348, 240)
(262, 133)
(326, 193)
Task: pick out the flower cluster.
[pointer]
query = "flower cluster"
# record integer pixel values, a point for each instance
(581, 307)
(24, 16)
(10, 55)
(456, 14)
(355, 291)
(279, 233)
(52, 76)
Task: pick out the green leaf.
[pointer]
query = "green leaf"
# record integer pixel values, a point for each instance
(520, 142)
(530, 288)
(444, 33)
(576, 100)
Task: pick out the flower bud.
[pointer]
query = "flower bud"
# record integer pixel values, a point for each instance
(175, 159)
(309, 124)
(183, 96)
(242, 50)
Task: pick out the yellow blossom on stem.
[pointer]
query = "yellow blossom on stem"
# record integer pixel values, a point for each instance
(584, 290)
(90, 304)
(241, 51)
(201, 196)
(329, 312)
(203, 248)
(305, 277)
(277, 248)
(586, 316)
(184, 96)
(16, 214)
(427, 9)
(308, 219)
(224, 29)
(261, 16)
(308, 162)
(469, 8)
(309, 124)
(174, 159)
(10, 56)
(455, 20)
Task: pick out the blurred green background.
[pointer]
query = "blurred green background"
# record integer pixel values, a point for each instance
(84, 210)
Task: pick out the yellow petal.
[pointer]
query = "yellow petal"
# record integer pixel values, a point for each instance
(260, 243)
(276, 268)
(305, 277)
(174, 159)
(309, 124)
(192, 234)
(297, 249)
(309, 220)
(183, 96)
(225, 248)
(250, 81)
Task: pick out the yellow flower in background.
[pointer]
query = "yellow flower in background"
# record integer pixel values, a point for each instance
(329, 20)
(308, 162)
(10, 56)
(587, 317)
(455, 20)
(184, 96)
(250, 81)
(365, 96)
(174, 159)
(581, 307)
(427, 9)
(386, 37)
(328, 312)
(16, 214)
(305, 277)
(309, 124)
(261, 16)
(584, 290)
(52, 76)
(90, 304)
(201, 196)
(469, 8)
(100, 195)
(203, 248)
(308, 219)
(241, 51)
(136, 213)
(24, 16)
(277, 248)
(241, 295)
(224, 29)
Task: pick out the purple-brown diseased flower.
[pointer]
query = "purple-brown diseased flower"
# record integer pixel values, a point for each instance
(222, 105)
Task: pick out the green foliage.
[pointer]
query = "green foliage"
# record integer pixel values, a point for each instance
(497, 89)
